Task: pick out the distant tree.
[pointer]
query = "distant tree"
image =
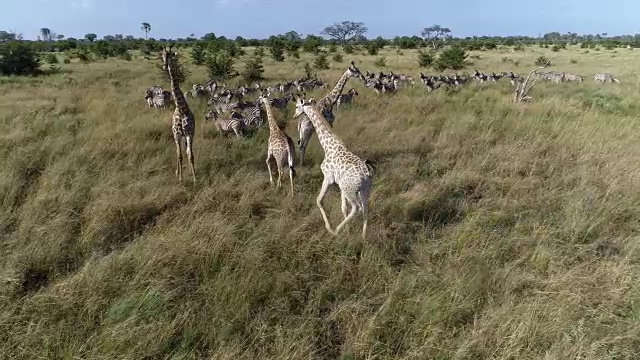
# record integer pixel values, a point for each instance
(91, 37)
(7, 36)
(220, 66)
(146, 27)
(436, 35)
(345, 31)
(198, 54)
(253, 69)
(59, 37)
(276, 47)
(46, 34)
(453, 58)
(312, 43)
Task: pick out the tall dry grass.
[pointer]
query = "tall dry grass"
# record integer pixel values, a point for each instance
(497, 231)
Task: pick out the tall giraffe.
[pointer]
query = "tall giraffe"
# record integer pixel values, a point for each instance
(280, 146)
(183, 123)
(325, 105)
(353, 175)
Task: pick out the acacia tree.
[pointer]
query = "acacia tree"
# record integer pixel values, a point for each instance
(91, 37)
(46, 34)
(146, 27)
(436, 35)
(345, 31)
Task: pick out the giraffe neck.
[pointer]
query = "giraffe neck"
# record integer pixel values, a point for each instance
(329, 100)
(178, 96)
(273, 127)
(326, 137)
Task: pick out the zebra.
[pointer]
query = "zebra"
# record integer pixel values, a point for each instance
(226, 125)
(573, 77)
(604, 77)
(198, 91)
(281, 103)
(156, 97)
(346, 98)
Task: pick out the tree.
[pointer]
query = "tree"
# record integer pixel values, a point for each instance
(59, 37)
(18, 58)
(253, 69)
(146, 27)
(7, 36)
(436, 35)
(46, 34)
(91, 37)
(345, 31)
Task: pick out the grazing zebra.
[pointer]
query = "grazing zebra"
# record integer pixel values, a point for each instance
(226, 125)
(281, 103)
(346, 98)
(156, 97)
(198, 91)
(573, 77)
(604, 77)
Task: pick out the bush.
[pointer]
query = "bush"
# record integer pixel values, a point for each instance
(372, 48)
(425, 58)
(126, 56)
(542, 60)
(518, 47)
(220, 66)
(276, 48)
(18, 58)
(321, 61)
(555, 48)
(453, 58)
(179, 71)
(66, 60)
(259, 51)
(308, 71)
(573, 61)
(253, 70)
(198, 54)
(348, 49)
(51, 59)
(337, 57)
(381, 62)
(333, 48)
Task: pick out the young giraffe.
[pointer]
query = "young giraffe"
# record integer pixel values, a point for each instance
(183, 122)
(325, 106)
(280, 146)
(353, 175)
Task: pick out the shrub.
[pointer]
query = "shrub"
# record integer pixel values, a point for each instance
(453, 58)
(308, 71)
(253, 69)
(573, 61)
(259, 51)
(555, 48)
(381, 62)
(348, 49)
(333, 48)
(542, 60)
(198, 54)
(179, 71)
(220, 66)
(337, 57)
(425, 58)
(276, 48)
(18, 58)
(66, 60)
(518, 47)
(126, 56)
(321, 61)
(51, 59)
(372, 48)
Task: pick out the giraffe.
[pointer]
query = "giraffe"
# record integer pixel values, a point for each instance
(280, 146)
(353, 175)
(325, 105)
(183, 122)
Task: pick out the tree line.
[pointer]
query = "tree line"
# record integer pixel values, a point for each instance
(19, 56)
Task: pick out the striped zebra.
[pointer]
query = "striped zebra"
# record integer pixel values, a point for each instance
(604, 77)
(156, 97)
(281, 103)
(346, 98)
(225, 126)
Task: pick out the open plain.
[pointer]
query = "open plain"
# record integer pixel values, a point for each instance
(497, 230)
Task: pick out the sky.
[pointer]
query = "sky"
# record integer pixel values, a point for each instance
(262, 18)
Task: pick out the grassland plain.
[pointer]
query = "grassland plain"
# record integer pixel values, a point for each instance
(497, 231)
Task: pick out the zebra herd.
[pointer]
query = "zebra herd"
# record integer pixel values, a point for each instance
(230, 113)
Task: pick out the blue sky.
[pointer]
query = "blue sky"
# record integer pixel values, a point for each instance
(261, 18)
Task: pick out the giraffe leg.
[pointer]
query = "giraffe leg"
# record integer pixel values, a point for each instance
(323, 192)
(190, 157)
(364, 206)
(354, 209)
(279, 166)
(345, 208)
(178, 158)
(269, 168)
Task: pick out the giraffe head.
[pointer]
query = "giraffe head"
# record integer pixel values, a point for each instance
(355, 72)
(301, 102)
(167, 57)
(264, 97)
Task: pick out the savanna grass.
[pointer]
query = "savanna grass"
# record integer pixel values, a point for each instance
(496, 231)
